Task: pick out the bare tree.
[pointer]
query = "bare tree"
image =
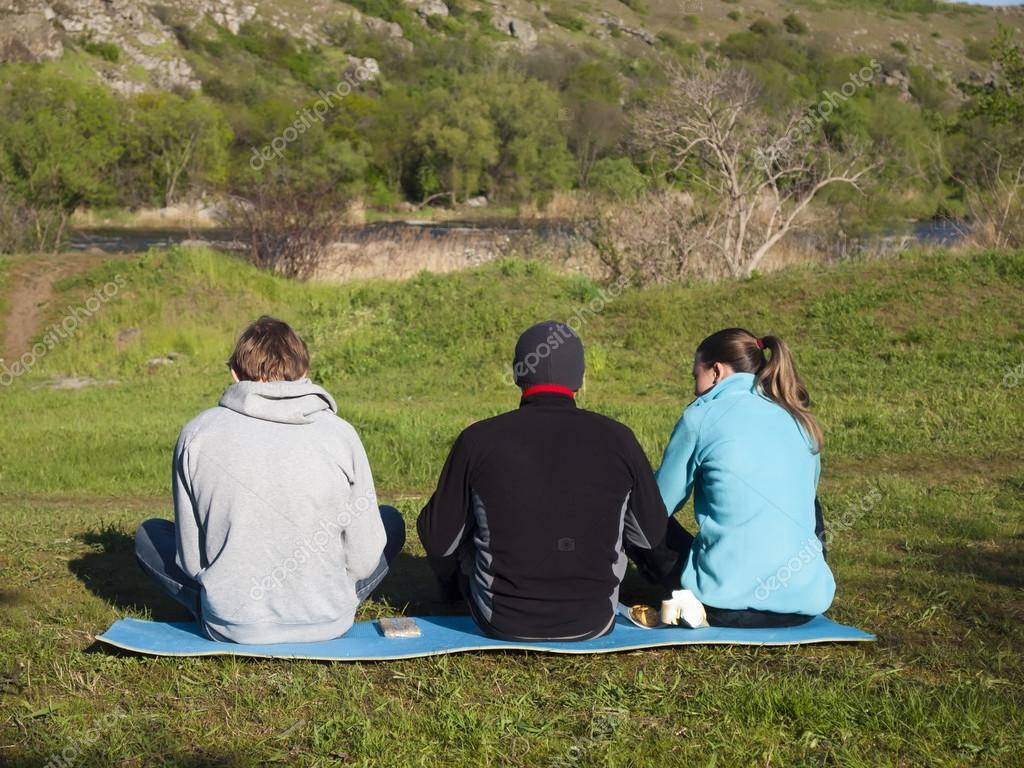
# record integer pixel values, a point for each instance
(652, 239)
(23, 228)
(757, 178)
(995, 203)
(288, 230)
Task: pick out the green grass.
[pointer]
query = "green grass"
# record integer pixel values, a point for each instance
(905, 359)
(566, 20)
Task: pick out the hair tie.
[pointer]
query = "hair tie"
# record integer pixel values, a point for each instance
(760, 342)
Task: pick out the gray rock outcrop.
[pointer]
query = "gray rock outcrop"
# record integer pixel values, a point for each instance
(520, 29)
(29, 37)
(428, 8)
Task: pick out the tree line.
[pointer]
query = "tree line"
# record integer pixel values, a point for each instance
(451, 121)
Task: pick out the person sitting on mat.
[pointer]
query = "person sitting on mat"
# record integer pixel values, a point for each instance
(532, 506)
(748, 451)
(277, 536)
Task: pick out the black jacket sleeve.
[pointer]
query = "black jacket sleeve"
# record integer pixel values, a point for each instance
(646, 517)
(444, 521)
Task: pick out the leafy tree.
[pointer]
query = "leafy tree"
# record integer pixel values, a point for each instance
(1000, 100)
(496, 131)
(457, 144)
(174, 145)
(291, 146)
(529, 122)
(988, 148)
(909, 182)
(59, 144)
(596, 124)
(385, 124)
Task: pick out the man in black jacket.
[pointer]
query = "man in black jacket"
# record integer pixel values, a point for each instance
(535, 508)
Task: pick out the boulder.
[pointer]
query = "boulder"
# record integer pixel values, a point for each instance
(520, 29)
(427, 8)
(364, 69)
(383, 28)
(28, 37)
(899, 80)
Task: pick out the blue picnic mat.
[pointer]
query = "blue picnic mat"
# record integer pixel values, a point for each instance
(456, 634)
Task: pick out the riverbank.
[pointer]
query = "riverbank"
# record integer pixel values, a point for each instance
(210, 215)
(398, 249)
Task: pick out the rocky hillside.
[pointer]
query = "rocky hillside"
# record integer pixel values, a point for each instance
(135, 46)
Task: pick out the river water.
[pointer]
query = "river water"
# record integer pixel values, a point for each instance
(122, 240)
(118, 240)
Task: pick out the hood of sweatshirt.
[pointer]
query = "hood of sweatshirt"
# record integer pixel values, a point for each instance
(286, 402)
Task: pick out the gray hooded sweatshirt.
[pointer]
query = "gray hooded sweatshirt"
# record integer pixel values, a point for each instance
(276, 513)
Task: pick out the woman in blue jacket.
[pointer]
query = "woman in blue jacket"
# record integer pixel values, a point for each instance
(748, 450)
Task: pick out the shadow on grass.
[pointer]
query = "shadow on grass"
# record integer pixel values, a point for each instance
(411, 586)
(113, 574)
(997, 611)
(75, 753)
(1002, 564)
(10, 597)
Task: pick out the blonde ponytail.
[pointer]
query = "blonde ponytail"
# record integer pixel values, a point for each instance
(779, 381)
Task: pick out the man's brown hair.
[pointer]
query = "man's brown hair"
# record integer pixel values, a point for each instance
(270, 350)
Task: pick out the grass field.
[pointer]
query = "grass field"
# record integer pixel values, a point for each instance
(907, 360)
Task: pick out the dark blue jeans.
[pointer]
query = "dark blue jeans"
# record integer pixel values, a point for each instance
(664, 564)
(156, 547)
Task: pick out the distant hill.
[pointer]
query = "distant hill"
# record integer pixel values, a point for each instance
(132, 46)
(512, 106)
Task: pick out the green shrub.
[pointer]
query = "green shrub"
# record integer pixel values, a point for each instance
(794, 24)
(734, 15)
(900, 47)
(763, 27)
(617, 176)
(765, 50)
(106, 51)
(682, 48)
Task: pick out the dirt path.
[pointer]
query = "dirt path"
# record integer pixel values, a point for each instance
(31, 293)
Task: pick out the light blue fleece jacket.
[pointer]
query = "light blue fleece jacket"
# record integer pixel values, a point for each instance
(276, 513)
(753, 476)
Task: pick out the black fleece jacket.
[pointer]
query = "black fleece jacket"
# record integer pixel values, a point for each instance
(532, 506)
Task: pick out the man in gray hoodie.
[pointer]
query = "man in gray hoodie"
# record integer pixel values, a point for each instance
(277, 536)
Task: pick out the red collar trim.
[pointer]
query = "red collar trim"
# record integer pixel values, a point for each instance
(553, 389)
